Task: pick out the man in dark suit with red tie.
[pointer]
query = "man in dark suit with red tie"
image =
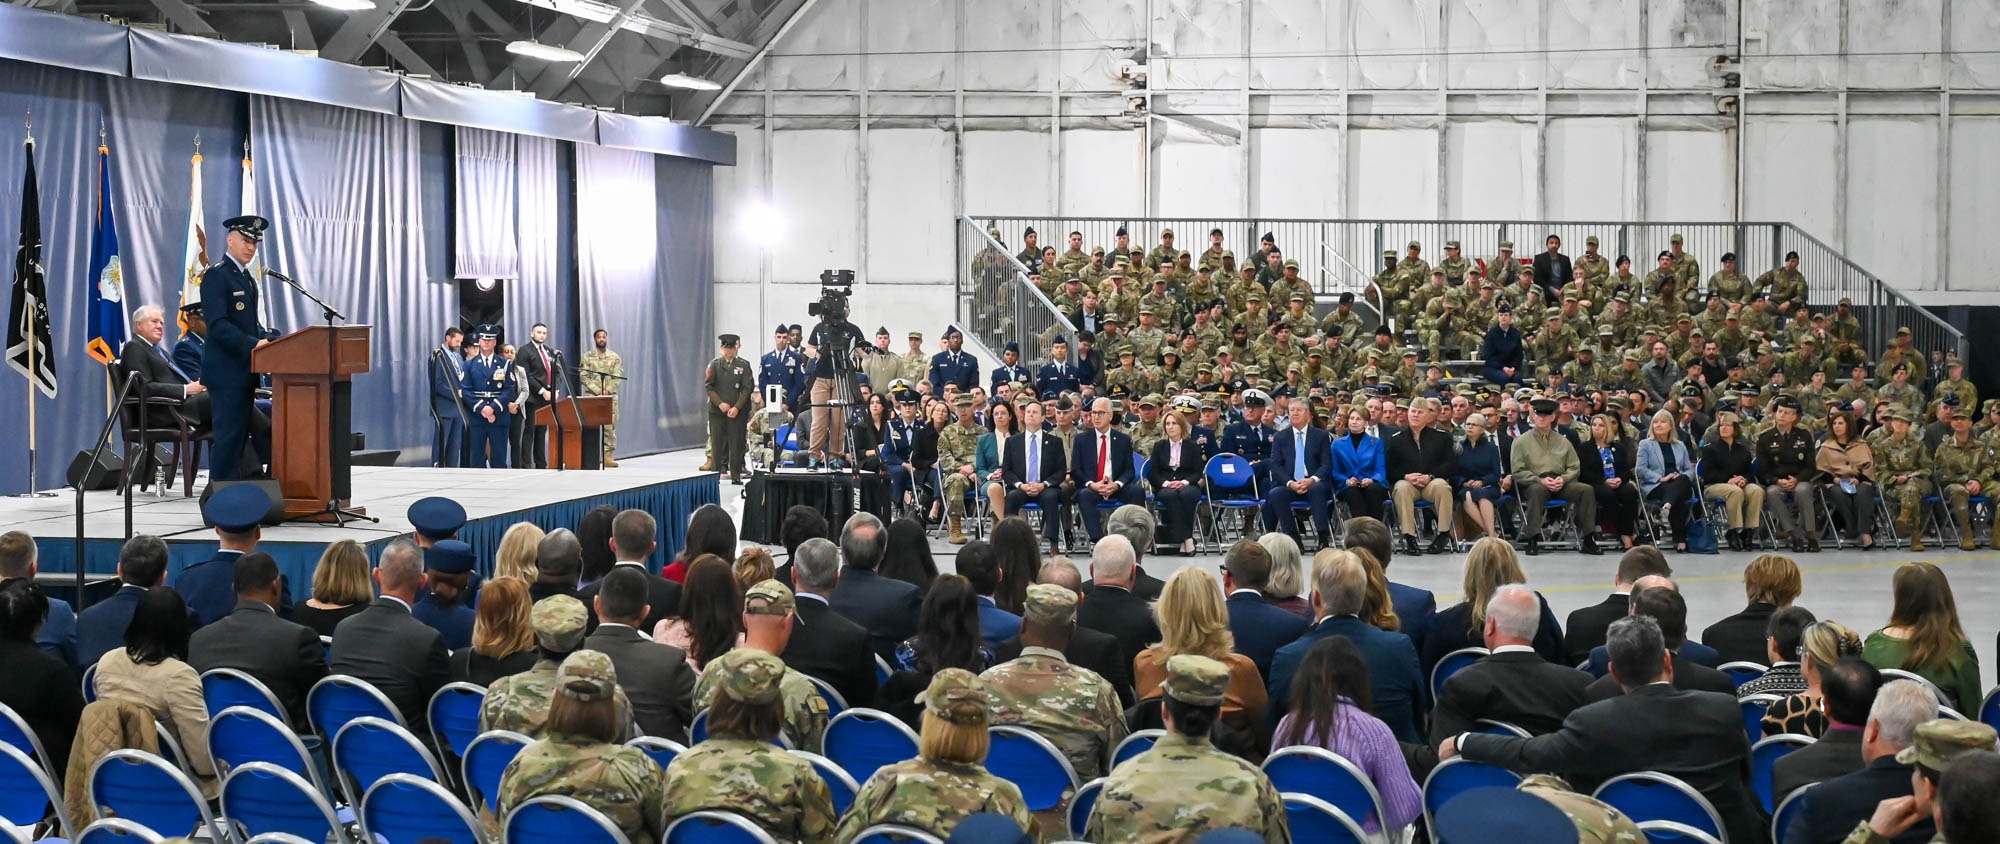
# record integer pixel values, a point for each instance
(539, 362)
(1032, 469)
(1103, 469)
(1301, 464)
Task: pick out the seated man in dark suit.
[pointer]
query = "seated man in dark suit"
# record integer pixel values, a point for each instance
(387, 646)
(1301, 470)
(1669, 610)
(833, 649)
(284, 656)
(1414, 607)
(1584, 630)
(1848, 688)
(977, 564)
(1340, 587)
(1956, 772)
(1258, 628)
(1599, 663)
(801, 523)
(634, 537)
(655, 677)
(1771, 581)
(159, 376)
(1101, 465)
(1109, 605)
(1136, 523)
(1831, 809)
(887, 607)
(142, 565)
(1032, 472)
(1088, 648)
(1694, 736)
(1514, 684)
(58, 635)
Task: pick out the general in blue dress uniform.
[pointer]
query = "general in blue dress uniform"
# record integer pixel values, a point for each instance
(489, 390)
(448, 441)
(1059, 375)
(1011, 369)
(210, 586)
(784, 366)
(1252, 442)
(953, 365)
(229, 302)
(188, 350)
(449, 563)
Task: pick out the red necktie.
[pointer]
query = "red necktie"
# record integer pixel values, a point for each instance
(1103, 453)
(548, 372)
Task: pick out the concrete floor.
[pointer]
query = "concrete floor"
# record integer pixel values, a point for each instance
(1849, 586)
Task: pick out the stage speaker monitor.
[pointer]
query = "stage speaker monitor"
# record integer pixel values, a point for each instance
(276, 515)
(100, 475)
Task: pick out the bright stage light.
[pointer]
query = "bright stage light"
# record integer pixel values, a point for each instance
(545, 52)
(692, 83)
(762, 225)
(347, 5)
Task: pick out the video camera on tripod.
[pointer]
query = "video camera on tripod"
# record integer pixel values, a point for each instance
(835, 286)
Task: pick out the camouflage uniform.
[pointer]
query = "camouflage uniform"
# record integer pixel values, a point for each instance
(1885, 366)
(1906, 455)
(932, 794)
(1146, 342)
(956, 444)
(1072, 707)
(1594, 268)
(916, 365)
(1968, 395)
(1935, 745)
(1731, 285)
(520, 703)
(1957, 464)
(1144, 435)
(1784, 285)
(1597, 822)
(1686, 269)
(1454, 269)
(1183, 788)
(805, 710)
(622, 782)
(1906, 395)
(754, 778)
(594, 384)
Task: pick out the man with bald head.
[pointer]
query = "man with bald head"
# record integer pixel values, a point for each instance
(1110, 606)
(559, 568)
(403, 657)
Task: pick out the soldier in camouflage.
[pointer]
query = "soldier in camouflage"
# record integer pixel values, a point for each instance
(1903, 468)
(601, 374)
(1932, 749)
(946, 782)
(1072, 707)
(1597, 822)
(956, 444)
(1954, 383)
(1731, 285)
(1454, 264)
(622, 782)
(916, 363)
(1785, 284)
(520, 703)
(767, 627)
(1963, 467)
(742, 771)
(1387, 291)
(1183, 787)
(1899, 390)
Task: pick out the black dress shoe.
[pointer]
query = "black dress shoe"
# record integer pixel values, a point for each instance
(1532, 547)
(1410, 545)
(1590, 548)
(1325, 540)
(1812, 545)
(1441, 544)
(1797, 545)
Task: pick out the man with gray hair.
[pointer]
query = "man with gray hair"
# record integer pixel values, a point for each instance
(1137, 524)
(1515, 684)
(828, 646)
(1340, 585)
(1832, 808)
(404, 658)
(1110, 605)
(887, 607)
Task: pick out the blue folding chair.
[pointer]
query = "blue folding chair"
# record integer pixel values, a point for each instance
(260, 798)
(698, 728)
(1764, 755)
(888, 833)
(149, 791)
(553, 817)
(1741, 671)
(1456, 776)
(1315, 821)
(402, 809)
(1133, 745)
(662, 751)
(241, 735)
(1488, 726)
(280, 838)
(838, 783)
(713, 828)
(882, 671)
(834, 703)
(1451, 664)
(1787, 812)
(454, 717)
(1671, 832)
(1321, 773)
(222, 688)
(1889, 674)
(863, 740)
(1754, 707)
(1032, 764)
(485, 760)
(369, 748)
(27, 792)
(1648, 796)
(338, 699)
(15, 733)
(117, 831)
(90, 683)
(1230, 483)
(1989, 709)
(1080, 806)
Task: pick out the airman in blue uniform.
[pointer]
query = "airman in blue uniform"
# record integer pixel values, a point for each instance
(210, 586)
(490, 390)
(786, 367)
(1012, 371)
(451, 617)
(953, 366)
(229, 301)
(1059, 375)
(1250, 439)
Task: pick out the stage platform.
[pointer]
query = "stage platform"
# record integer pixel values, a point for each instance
(494, 500)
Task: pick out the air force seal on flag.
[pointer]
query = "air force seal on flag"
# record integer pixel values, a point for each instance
(111, 282)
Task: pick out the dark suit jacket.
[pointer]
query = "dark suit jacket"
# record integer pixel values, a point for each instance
(1083, 468)
(1452, 630)
(1694, 652)
(1586, 626)
(101, 626)
(885, 606)
(663, 596)
(1261, 629)
(445, 380)
(1740, 637)
(58, 636)
(1836, 754)
(1121, 613)
(1833, 807)
(828, 646)
(1396, 681)
(1160, 467)
(529, 358)
(1414, 610)
(1552, 272)
(656, 678)
(157, 379)
(1517, 687)
(1319, 455)
(45, 693)
(1092, 649)
(1428, 451)
(284, 656)
(1689, 676)
(1694, 736)
(1014, 462)
(399, 655)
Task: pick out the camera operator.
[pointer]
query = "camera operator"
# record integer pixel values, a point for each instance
(833, 345)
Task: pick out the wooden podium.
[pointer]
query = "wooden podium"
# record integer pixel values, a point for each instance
(312, 373)
(576, 448)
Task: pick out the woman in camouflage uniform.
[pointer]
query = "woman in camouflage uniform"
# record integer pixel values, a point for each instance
(739, 768)
(578, 759)
(946, 782)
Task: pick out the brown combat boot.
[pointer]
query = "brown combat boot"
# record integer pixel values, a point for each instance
(1966, 541)
(1909, 524)
(957, 530)
(707, 465)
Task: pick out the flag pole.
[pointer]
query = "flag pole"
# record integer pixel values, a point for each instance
(32, 368)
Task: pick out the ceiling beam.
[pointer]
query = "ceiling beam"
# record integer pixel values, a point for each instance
(492, 19)
(468, 41)
(688, 14)
(407, 57)
(302, 34)
(361, 31)
(184, 16)
(610, 29)
(736, 79)
(648, 26)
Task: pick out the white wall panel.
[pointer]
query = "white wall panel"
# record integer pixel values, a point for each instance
(1393, 173)
(1898, 43)
(1490, 170)
(1297, 45)
(815, 189)
(819, 53)
(1593, 23)
(1800, 47)
(1593, 169)
(1006, 173)
(736, 190)
(1298, 173)
(1975, 28)
(992, 31)
(1392, 42)
(911, 193)
(1688, 176)
(1200, 44)
(902, 38)
(1100, 173)
(1794, 173)
(1892, 222)
(1674, 26)
(1113, 27)
(1975, 205)
(1489, 40)
(1199, 175)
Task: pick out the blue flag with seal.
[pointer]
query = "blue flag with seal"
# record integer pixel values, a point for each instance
(106, 278)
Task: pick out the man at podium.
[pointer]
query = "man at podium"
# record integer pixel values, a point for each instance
(229, 303)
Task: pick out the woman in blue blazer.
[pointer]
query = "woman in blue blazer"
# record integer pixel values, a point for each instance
(1664, 472)
(1480, 473)
(1360, 468)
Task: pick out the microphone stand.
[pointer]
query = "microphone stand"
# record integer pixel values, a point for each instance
(341, 515)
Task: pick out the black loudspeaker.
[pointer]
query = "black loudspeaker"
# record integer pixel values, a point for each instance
(95, 476)
(276, 516)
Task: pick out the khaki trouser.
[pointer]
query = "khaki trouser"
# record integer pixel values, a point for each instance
(824, 424)
(1743, 505)
(1437, 492)
(956, 485)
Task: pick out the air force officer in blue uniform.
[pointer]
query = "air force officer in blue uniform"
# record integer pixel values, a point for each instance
(490, 393)
(229, 303)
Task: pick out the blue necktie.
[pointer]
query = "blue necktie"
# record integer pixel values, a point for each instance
(169, 360)
(1034, 458)
(1298, 455)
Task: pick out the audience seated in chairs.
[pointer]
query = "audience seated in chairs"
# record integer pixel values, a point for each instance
(579, 756)
(1802, 712)
(1490, 565)
(1330, 708)
(947, 637)
(1663, 603)
(39, 688)
(503, 636)
(739, 768)
(1285, 590)
(1925, 638)
(1088, 648)
(947, 781)
(152, 671)
(1514, 684)
(1848, 689)
(1771, 581)
(1584, 631)
(1891, 769)
(835, 650)
(1194, 619)
(1397, 685)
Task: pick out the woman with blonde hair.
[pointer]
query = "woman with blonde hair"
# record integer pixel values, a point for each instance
(340, 588)
(1796, 674)
(503, 635)
(1286, 588)
(1377, 609)
(518, 548)
(1490, 565)
(1194, 619)
(1925, 638)
(1772, 582)
(948, 779)
(1666, 476)
(754, 566)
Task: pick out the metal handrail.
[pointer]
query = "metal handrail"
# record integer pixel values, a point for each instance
(1020, 269)
(96, 454)
(1362, 278)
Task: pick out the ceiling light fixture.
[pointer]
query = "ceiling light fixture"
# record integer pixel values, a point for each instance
(692, 83)
(347, 5)
(546, 52)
